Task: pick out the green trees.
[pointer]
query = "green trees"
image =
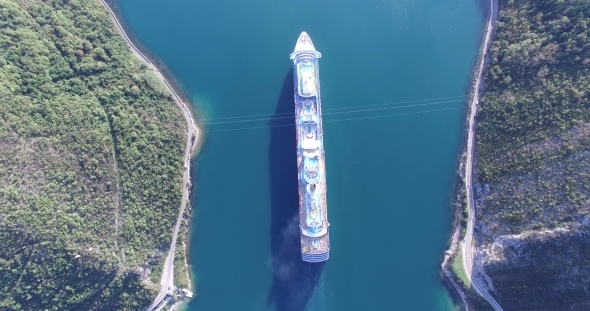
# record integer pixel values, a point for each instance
(91, 152)
(533, 139)
(537, 81)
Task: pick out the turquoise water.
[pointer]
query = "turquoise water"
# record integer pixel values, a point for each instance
(390, 171)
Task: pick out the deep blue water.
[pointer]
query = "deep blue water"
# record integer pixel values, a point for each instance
(390, 171)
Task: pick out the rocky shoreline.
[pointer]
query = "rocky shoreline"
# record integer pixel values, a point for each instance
(461, 295)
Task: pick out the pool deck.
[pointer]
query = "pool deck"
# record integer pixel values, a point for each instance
(311, 165)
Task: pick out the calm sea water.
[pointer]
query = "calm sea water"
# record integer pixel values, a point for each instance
(390, 170)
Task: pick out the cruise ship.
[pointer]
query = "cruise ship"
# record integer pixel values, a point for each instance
(313, 211)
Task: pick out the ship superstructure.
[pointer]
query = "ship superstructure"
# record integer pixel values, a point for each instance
(313, 212)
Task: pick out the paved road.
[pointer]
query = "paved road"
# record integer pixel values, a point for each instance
(167, 281)
(468, 250)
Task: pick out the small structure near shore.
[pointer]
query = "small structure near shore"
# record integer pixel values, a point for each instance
(187, 293)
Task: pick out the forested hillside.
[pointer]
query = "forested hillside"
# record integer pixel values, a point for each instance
(91, 149)
(533, 157)
(537, 81)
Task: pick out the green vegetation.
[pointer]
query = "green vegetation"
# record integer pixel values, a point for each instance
(457, 265)
(548, 272)
(533, 143)
(181, 273)
(534, 123)
(91, 152)
(536, 84)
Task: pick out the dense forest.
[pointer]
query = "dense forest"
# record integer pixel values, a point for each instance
(533, 156)
(91, 147)
(537, 81)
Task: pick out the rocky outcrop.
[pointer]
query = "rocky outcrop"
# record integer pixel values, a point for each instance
(541, 270)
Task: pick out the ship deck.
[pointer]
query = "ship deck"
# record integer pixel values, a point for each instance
(322, 244)
(313, 211)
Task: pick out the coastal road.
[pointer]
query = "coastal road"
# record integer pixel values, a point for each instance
(468, 249)
(167, 281)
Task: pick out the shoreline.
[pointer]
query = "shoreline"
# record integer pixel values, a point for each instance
(176, 90)
(193, 146)
(462, 228)
(147, 57)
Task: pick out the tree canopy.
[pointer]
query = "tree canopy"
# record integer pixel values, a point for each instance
(91, 150)
(533, 156)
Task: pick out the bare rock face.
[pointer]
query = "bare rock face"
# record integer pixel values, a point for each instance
(542, 270)
(532, 228)
(533, 236)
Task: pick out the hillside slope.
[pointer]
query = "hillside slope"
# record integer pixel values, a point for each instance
(533, 157)
(91, 147)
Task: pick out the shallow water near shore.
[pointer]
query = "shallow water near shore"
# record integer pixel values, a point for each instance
(390, 171)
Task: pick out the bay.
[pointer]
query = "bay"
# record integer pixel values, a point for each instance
(390, 170)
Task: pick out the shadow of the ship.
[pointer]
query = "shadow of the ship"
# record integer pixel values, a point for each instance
(294, 280)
